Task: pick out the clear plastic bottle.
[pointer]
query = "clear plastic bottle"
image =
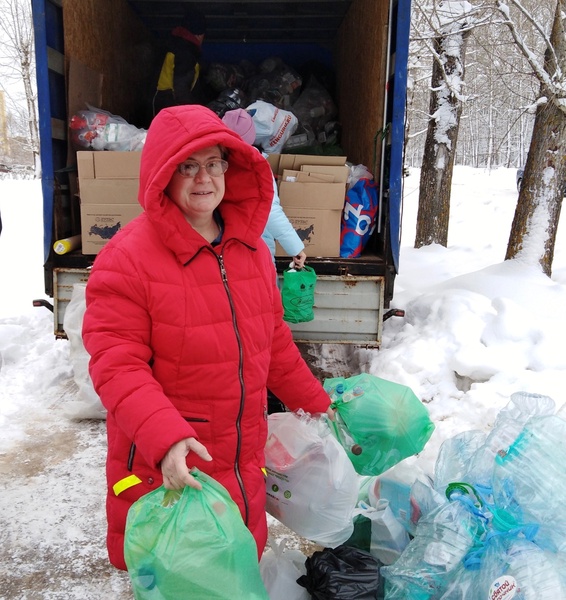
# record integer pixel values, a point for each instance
(339, 427)
(535, 572)
(528, 479)
(513, 417)
(454, 458)
(442, 540)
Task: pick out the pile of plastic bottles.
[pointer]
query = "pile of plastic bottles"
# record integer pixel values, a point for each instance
(496, 528)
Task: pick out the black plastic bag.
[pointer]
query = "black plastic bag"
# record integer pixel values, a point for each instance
(342, 573)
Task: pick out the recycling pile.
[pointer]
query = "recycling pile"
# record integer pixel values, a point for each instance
(497, 520)
(490, 524)
(326, 482)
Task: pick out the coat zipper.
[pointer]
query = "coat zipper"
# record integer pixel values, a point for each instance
(242, 387)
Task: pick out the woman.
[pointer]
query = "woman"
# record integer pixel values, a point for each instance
(184, 324)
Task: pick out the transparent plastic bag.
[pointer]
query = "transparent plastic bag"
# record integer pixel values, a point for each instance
(191, 543)
(378, 422)
(88, 404)
(388, 538)
(315, 106)
(275, 83)
(97, 129)
(280, 567)
(312, 487)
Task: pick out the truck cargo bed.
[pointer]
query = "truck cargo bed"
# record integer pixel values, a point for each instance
(105, 52)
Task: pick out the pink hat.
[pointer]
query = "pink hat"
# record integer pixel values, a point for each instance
(241, 122)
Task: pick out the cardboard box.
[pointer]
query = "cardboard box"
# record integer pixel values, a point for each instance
(305, 177)
(294, 162)
(100, 222)
(108, 165)
(108, 177)
(322, 196)
(312, 191)
(315, 211)
(319, 230)
(338, 174)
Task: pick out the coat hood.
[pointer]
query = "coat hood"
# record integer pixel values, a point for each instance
(174, 135)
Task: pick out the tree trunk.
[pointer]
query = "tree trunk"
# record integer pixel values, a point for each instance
(533, 233)
(440, 146)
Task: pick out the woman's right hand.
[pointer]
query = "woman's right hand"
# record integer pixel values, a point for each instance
(299, 260)
(176, 474)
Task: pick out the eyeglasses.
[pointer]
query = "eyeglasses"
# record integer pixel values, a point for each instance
(214, 168)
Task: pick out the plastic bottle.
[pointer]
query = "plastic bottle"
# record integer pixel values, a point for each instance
(512, 418)
(535, 572)
(340, 428)
(528, 479)
(442, 540)
(508, 425)
(454, 458)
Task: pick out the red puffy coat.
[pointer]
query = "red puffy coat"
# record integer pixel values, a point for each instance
(185, 337)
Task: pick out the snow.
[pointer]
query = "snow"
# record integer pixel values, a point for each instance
(476, 329)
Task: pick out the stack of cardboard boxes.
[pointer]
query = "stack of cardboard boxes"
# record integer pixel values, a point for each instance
(108, 190)
(312, 190)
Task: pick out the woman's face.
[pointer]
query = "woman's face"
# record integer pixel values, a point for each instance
(198, 196)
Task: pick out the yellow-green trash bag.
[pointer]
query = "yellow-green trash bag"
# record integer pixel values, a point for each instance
(378, 422)
(193, 544)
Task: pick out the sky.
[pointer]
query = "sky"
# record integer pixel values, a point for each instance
(476, 330)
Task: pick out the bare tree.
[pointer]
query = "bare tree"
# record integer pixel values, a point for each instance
(533, 233)
(17, 62)
(451, 24)
(500, 88)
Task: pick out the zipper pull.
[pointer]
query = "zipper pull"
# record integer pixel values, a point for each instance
(222, 269)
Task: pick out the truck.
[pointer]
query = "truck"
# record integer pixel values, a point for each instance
(100, 51)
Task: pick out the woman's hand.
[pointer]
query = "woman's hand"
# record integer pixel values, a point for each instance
(174, 468)
(331, 413)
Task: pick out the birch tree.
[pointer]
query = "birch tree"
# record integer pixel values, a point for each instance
(451, 22)
(17, 61)
(533, 232)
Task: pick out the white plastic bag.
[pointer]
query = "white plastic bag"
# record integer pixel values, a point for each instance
(280, 567)
(273, 126)
(388, 536)
(312, 486)
(88, 405)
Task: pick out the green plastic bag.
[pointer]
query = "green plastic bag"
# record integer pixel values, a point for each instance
(297, 294)
(378, 422)
(191, 544)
